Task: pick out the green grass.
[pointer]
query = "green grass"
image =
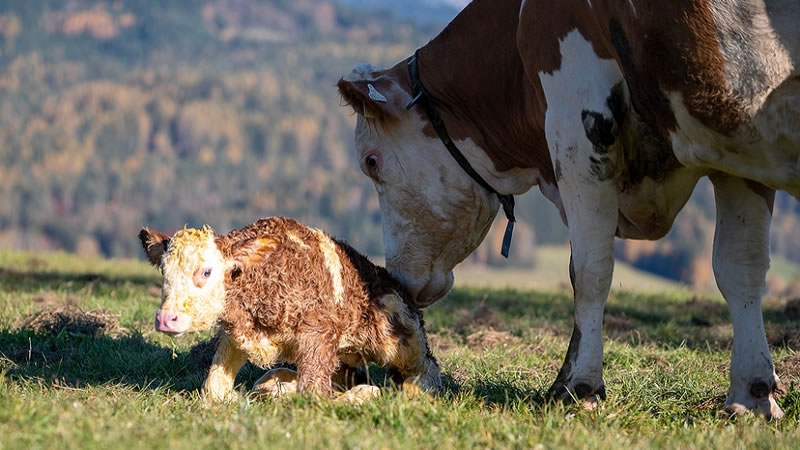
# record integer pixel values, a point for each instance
(666, 372)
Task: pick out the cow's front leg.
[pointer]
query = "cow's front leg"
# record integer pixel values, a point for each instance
(582, 131)
(741, 260)
(228, 360)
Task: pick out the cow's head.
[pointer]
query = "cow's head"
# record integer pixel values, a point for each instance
(434, 215)
(194, 269)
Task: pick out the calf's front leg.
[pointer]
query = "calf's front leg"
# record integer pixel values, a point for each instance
(316, 363)
(228, 360)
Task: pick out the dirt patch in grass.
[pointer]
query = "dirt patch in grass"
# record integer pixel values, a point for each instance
(792, 309)
(52, 300)
(71, 319)
(705, 313)
(481, 317)
(618, 322)
(491, 338)
(779, 335)
(441, 342)
(789, 367)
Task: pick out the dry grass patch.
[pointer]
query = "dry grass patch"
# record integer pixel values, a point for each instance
(72, 319)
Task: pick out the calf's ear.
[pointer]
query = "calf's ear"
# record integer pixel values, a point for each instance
(154, 244)
(252, 251)
(382, 98)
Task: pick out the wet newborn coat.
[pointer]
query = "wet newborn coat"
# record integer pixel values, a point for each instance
(285, 292)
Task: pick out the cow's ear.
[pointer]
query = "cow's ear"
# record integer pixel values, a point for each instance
(251, 251)
(154, 244)
(381, 98)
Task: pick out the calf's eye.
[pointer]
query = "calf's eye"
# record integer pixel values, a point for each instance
(371, 161)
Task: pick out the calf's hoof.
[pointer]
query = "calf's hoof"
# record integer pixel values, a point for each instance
(580, 392)
(759, 398)
(417, 386)
(275, 383)
(359, 394)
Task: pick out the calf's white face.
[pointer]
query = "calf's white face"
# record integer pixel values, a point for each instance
(193, 290)
(434, 215)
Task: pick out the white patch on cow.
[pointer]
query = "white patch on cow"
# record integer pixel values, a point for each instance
(262, 353)
(333, 264)
(297, 240)
(374, 94)
(741, 260)
(766, 149)
(583, 82)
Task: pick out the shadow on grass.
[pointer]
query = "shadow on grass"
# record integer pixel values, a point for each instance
(79, 360)
(668, 321)
(33, 281)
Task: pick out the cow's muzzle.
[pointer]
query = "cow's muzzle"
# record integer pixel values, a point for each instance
(172, 323)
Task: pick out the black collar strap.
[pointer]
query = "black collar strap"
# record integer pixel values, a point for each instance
(424, 99)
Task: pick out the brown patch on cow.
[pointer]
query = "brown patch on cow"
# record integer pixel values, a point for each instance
(484, 339)
(792, 309)
(155, 245)
(481, 317)
(496, 106)
(71, 319)
(659, 49)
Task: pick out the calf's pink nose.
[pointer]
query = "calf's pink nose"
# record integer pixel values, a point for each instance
(172, 323)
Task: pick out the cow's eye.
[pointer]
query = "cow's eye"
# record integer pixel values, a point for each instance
(372, 163)
(206, 273)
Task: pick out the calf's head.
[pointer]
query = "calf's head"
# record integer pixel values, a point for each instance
(195, 265)
(434, 215)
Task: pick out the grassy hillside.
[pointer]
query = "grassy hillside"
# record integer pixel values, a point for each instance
(125, 386)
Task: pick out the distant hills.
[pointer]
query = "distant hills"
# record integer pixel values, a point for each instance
(116, 114)
(423, 11)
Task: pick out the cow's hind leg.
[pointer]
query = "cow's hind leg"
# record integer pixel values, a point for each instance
(582, 133)
(741, 260)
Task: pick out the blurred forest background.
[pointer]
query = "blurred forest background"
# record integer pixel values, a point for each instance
(118, 114)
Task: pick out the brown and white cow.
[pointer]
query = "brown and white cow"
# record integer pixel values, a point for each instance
(615, 109)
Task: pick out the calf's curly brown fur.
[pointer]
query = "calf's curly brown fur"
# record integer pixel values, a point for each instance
(284, 292)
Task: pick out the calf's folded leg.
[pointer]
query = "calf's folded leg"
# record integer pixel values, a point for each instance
(228, 360)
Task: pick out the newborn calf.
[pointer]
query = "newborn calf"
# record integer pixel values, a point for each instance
(284, 292)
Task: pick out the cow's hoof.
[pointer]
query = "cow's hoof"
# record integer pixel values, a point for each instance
(275, 383)
(359, 394)
(581, 393)
(759, 398)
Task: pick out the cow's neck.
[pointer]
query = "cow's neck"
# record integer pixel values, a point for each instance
(474, 73)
